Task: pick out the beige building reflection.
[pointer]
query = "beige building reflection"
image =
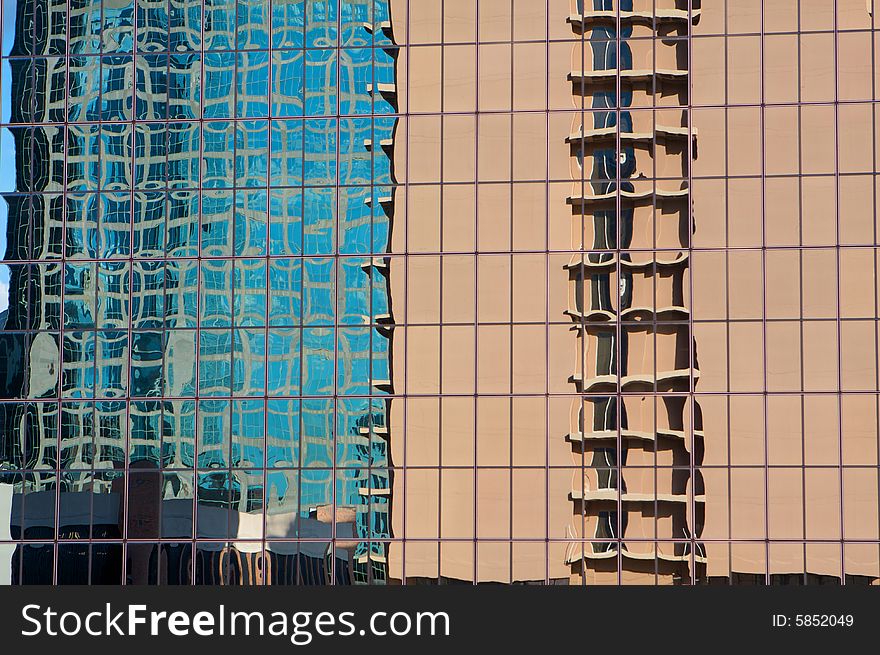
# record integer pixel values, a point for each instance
(633, 351)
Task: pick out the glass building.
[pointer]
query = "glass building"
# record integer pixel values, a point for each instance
(198, 290)
(315, 292)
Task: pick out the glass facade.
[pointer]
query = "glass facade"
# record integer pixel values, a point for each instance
(397, 292)
(196, 289)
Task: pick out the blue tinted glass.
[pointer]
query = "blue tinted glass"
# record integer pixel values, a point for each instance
(190, 222)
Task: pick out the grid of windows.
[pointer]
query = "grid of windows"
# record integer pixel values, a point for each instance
(390, 291)
(197, 322)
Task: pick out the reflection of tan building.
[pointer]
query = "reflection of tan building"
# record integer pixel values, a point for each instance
(632, 426)
(597, 385)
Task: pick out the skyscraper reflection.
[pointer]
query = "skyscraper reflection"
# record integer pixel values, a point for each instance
(200, 292)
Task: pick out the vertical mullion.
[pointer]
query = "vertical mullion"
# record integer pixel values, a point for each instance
(513, 260)
(264, 555)
(62, 266)
(477, 341)
(838, 257)
(370, 321)
(338, 269)
(874, 250)
(800, 252)
(547, 273)
(655, 547)
(619, 328)
(197, 331)
(692, 342)
(441, 398)
(405, 291)
(238, 125)
(765, 398)
(301, 423)
(726, 242)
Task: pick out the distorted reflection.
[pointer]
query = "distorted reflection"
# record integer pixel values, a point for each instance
(154, 362)
(616, 312)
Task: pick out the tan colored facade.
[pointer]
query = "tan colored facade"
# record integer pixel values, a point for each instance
(689, 428)
(476, 291)
(784, 288)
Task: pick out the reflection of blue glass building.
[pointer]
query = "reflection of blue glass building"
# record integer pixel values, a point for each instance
(199, 295)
